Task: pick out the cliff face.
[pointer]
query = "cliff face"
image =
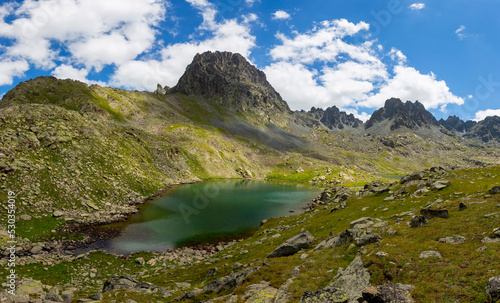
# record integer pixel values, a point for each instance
(232, 82)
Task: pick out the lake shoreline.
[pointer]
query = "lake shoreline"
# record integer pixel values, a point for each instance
(93, 232)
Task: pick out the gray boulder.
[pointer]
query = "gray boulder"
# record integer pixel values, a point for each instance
(342, 239)
(366, 222)
(324, 296)
(233, 280)
(440, 184)
(367, 238)
(389, 293)
(495, 190)
(434, 213)
(129, 284)
(453, 240)
(493, 290)
(496, 232)
(462, 206)
(352, 280)
(430, 254)
(260, 293)
(292, 245)
(418, 221)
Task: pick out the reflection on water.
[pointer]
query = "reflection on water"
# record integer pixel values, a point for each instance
(204, 211)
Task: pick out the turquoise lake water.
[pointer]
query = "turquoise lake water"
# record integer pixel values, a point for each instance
(204, 212)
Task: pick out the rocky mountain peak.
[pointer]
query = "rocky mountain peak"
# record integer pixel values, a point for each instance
(486, 130)
(411, 115)
(454, 123)
(333, 118)
(231, 81)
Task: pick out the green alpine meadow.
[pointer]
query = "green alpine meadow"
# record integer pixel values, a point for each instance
(214, 190)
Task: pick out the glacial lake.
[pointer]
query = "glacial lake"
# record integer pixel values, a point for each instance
(205, 212)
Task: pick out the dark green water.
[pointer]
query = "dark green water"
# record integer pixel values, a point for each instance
(203, 212)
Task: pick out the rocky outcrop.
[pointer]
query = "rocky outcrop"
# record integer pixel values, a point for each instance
(292, 245)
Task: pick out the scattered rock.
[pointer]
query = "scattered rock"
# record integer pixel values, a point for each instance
(97, 296)
(233, 280)
(344, 238)
(389, 293)
(30, 287)
(366, 222)
(283, 294)
(140, 261)
(496, 232)
(25, 217)
(453, 240)
(292, 245)
(440, 184)
(36, 250)
(418, 221)
(462, 206)
(430, 254)
(324, 296)
(488, 240)
(58, 214)
(54, 295)
(381, 254)
(128, 284)
(260, 293)
(299, 170)
(367, 238)
(351, 281)
(434, 213)
(495, 190)
(493, 290)
(189, 295)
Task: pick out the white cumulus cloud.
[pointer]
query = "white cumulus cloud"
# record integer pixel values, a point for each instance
(94, 32)
(417, 6)
(482, 114)
(281, 15)
(10, 69)
(320, 68)
(409, 84)
(227, 35)
(65, 71)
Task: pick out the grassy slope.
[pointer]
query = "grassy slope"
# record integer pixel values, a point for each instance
(460, 275)
(112, 147)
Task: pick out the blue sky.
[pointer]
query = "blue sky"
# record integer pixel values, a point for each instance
(354, 54)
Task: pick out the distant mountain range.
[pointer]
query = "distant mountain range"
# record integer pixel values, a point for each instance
(233, 83)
